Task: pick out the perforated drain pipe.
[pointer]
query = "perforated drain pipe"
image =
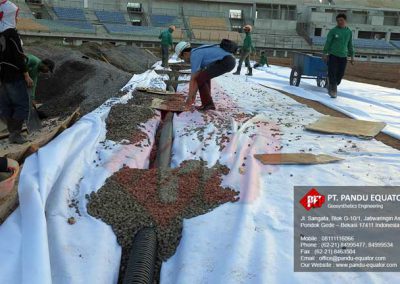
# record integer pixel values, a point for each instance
(142, 260)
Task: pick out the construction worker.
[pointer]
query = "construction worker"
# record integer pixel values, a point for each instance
(207, 62)
(245, 52)
(338, 46)
(166, 44)
(14, 76)
(36, 66)
(263, 60)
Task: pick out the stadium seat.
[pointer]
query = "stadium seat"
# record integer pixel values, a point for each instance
(215, 35)
(31, 25)
(396, 43)
(208, 23)
(110, 17)
(360, 43)
(69, 14)
(129, 30)
(68, 26)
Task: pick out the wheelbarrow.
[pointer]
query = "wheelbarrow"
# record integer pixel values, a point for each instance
(305, 66)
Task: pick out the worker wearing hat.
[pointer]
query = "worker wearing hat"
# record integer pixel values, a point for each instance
(245, 52)
(166, 44)
(14, 76)
(207, 62)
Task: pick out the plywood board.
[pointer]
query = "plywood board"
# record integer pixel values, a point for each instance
(295, 159)
(41, 138)
(156, 92)
(338, 125)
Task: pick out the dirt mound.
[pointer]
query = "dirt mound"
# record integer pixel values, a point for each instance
(133, 199)
(76, 81)
(131, 59)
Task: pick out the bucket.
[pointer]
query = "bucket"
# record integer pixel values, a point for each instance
(7, 182)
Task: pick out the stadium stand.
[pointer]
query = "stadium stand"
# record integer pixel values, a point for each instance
(215, 35)
(165, 21)
(396, 43)
(31, 25)
(359, 43)
(69, 13)
(115, 17)
(129, 30)
(67, 26)
(208, 23)
(145, 31)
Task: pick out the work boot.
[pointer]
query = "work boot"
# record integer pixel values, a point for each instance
(332, 90)
(206, 107)
(15, 128)
(237, 71)
(250, 71)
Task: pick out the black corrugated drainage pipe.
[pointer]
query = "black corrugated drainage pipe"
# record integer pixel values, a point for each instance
(141, 263)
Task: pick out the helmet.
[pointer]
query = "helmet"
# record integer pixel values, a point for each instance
(181, 46)
(247, 28)
(172, 28)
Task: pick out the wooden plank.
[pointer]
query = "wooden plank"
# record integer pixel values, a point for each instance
(295, 159)
(347, 126)
(20, 152)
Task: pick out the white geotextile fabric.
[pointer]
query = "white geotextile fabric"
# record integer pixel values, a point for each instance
(252, 241)
(37, 245)
(357, 100)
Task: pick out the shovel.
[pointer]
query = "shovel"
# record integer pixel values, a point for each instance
(34, 123)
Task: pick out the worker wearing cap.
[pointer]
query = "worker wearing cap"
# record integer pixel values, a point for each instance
(338, 47)
(207, 62)
(14, 76)
(36, 66)
(166, 44)
(245, 52)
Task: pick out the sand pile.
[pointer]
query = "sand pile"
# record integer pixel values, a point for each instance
(76, 81)
(133, 199)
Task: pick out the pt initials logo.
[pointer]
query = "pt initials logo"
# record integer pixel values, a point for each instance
(313, 199)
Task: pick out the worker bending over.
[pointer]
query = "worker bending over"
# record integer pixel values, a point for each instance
(36, 66)
(245, 52)
(207, 62)
(263, 60)
(338, 46)
(166, 44)
(14, 76)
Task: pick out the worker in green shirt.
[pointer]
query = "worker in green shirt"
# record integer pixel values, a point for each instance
(166, 44)
(263, 60)
(245, 52)
(36, 66)
(338, 47)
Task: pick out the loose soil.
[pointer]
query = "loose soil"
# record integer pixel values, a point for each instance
(124, 123)
(134, 198)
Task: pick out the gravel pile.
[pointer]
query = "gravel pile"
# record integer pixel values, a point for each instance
(77, 81)
(124, 123)
(133, 199)
(130, 58)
